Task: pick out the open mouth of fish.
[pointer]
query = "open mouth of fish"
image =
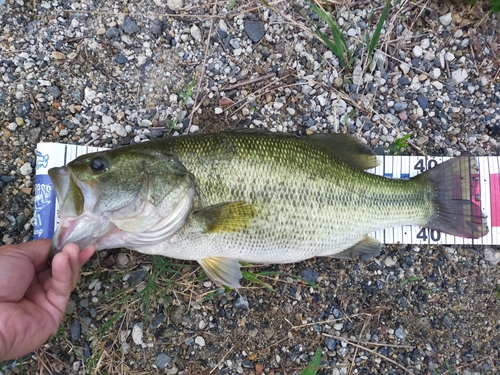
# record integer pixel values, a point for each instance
(134, 225)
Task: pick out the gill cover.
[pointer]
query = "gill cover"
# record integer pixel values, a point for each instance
(107, 198)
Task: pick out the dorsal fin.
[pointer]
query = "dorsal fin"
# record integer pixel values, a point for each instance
(346, 147)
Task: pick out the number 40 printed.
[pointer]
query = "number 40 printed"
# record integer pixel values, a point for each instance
(425, 234)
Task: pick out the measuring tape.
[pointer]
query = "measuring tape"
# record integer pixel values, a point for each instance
(486, 192)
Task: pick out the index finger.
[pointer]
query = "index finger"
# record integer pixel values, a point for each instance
(37, 252)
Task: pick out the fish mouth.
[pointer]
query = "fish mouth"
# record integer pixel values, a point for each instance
(76, 201)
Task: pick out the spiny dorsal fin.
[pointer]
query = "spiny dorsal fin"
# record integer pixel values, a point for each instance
(346, 147)
(225, 217)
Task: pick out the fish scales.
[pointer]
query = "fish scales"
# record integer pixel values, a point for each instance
(252, 196)
(305, 199)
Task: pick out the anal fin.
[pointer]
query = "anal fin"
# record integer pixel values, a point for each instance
(225, 271)
(365, 249)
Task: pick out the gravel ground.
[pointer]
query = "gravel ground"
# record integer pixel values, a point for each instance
(118, 73)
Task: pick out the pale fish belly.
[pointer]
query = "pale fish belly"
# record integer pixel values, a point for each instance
(287, 234)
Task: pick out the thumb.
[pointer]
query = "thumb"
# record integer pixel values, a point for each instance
(66, 267)
(62, 276)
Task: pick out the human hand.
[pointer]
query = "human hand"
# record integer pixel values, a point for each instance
(33, 294)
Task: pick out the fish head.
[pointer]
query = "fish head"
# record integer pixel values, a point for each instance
(107, 198)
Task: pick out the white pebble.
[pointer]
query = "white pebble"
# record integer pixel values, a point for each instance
(12, 126)
(107, 120)
(175, 4)
(26, 169)
(459, 75)
(438, 85)
(417, 51)
(425, 43)
(299, 47)
(290, 111)
(445, 19)
(137, 334)
(389, 262)
(200, 341)
(435, 73)
(218, 110)
(222, 25)
(90, 94)
(338, 326)
(405, 68)
(195, 32)
(194, 129)
(120, 130)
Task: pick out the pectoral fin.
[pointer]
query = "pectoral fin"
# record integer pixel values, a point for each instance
(365, 249)
(225, 217)
(225, 271)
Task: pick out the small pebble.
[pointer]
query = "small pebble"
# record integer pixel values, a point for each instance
(200, 341)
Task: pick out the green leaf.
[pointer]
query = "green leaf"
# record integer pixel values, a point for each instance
(339, 45)
(313, 366)
(411, 279)
(254, 279)
(378, 29)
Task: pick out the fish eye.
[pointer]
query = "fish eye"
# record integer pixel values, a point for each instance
(98, 165)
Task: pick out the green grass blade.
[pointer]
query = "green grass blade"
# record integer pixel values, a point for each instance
(340, 49)
(313, 366)
(378, 29)
(254, 279)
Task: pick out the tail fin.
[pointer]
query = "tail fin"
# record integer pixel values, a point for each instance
(456, 198)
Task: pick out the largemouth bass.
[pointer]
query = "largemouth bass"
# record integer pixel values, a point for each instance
(251, 196)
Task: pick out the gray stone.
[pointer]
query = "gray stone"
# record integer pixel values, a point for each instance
(75, 330)
(241, 303)
(157, 27)
(24, 109)
(459, 75)
(54, 91)
(400, 106)
(255, 30)
(422, 101)
(310, 274)
(400, 333)
(137, 277)
(112, 33)
(162, 360)
(121, 59)
(129, 26)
